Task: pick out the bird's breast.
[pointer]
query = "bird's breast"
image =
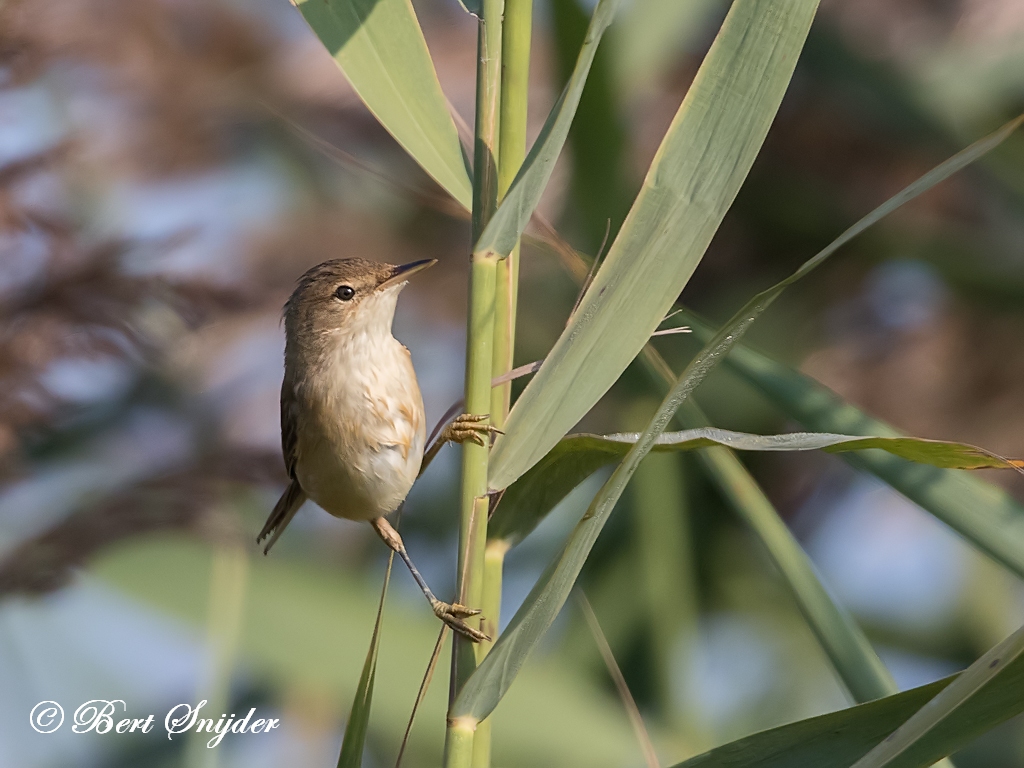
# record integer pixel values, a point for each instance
(361, 429)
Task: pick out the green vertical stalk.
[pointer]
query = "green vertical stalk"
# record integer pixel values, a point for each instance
(494, 563)
(487, 127)
(515, 76)
(459, 744)
(479, 360)
(474, 500)
(229, 580)
(515, 83)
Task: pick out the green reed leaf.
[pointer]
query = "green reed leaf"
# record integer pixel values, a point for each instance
(965, 705)
(353, 743)
(513, 214)
(982, 513)
(696, 173)
(730, 334)
(939, 726)
(380, 47)
(576, 457)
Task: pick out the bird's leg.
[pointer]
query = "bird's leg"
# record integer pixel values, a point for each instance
(469, 427)
(451, 614)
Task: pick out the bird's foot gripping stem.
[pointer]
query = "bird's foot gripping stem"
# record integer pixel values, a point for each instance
(469, 427)
(453, 614)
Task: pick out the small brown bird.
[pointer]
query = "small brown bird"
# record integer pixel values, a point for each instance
(353, 427)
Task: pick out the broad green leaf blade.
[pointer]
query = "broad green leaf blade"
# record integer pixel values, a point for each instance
(845, 644)
(380, 47)
(929, 730)
(937, 453)
(839, 739)
(834, 740)
(510, 219)
(982, 513)
(730, 334)
(535, 494)
(576, 457)
(692, 181)
(354, 741)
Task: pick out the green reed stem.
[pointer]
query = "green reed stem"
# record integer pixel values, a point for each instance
(474, 500)
(515, 84)
(459, 744)
(515, 76)
(479, 359)
(494, 562)
(487, 127)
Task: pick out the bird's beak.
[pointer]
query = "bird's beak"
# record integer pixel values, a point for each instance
(405, 271)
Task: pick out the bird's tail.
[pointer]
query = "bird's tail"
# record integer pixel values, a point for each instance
(284, 511)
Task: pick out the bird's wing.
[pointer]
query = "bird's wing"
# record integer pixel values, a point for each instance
(289, 425)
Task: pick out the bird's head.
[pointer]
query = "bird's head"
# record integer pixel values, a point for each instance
(353, 295)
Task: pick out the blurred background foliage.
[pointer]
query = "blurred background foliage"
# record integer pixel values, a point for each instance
(168, 168)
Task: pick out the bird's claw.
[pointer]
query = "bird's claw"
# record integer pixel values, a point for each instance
(453, 614)
(470, 427)
(459, 611)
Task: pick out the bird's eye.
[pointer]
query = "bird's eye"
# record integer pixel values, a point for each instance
(345, 292)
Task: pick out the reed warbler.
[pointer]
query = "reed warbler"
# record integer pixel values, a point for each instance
(353, 429)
